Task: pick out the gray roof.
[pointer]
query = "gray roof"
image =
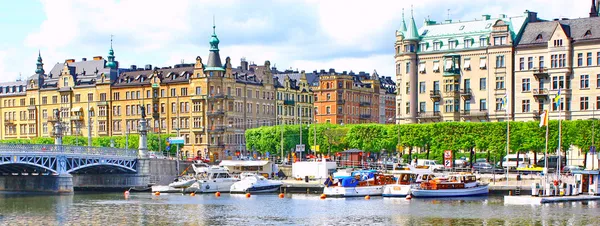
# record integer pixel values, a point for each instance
(214, 60)
(575, 29)
(13, 88)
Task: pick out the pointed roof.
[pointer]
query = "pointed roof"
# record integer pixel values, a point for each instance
(593, 10)
(111, 57)
(214, 59)
(374, 75)
(39, 65)
(412, 34)
(403, 28)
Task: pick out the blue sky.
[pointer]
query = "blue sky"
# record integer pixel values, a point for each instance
(299, 34)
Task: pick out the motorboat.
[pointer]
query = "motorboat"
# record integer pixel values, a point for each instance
(360, 183)
(452, 186)
(405, 179)
(212, 179)
(182, 183)
(252, 183)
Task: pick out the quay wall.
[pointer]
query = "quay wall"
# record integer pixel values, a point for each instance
(37, 183)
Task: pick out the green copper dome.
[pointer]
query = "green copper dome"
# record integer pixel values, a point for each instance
(111, 57)
(214, 40)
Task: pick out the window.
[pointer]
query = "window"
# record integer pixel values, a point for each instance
(529, 63)
(558, 82)
(499, 61)
(90, 97)
(54, 99)
(103, 97)
(452, 44)
(173, 92)
(467, 105)
(422, 87)
(583, 103)
(422, 107)
(579, 59)
(436, 106)
(437, 45)
(407, 67)
(65, 82)
(498, 104)
(499, 82)
(562, 60)
(407, 107)
(598, 59)
(482, 42)
(421, 67)
(44, 100)
(526, 87)
(500, 41)
(328, 110)
(562, 104)
(482, 63)
(589, 59)
(558, 42)
(482, 83)
(522, 63)
(525, 106)
(597, 102)
(584, 81)
(448, 106)
(468, 43)
(554, 61)
(467, 65)
(183, 91)
(423, 46)
(436, 66)
(598, 81)
(541, 62)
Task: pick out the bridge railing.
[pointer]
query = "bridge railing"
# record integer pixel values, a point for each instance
(67, 149)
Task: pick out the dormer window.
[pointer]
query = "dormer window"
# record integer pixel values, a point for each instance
(461, 28)
(452, 44)
(539, 37)
(468, 43)
(437, 45)
(424, 46)
(558, 42)
(498, 41)
(65, 82)
(482, 41)
(588, 33)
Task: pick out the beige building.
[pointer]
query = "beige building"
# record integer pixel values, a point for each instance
(456, 71)
(294, 98)
(559, 54)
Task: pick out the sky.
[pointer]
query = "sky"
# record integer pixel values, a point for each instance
(348, 35)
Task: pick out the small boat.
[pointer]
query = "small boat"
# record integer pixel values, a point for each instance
(252, 183)
(182, 183)
(360, 183)
(212, 179)
(453, 186)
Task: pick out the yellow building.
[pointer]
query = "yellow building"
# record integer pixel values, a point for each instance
(294, 98)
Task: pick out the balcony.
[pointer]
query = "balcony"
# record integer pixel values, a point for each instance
(365, 116)
(52, 119)
(540, 93)
(541, 73)
(341, 101)
(451, 93)
(473, 113)
(9, 121)
(77, 118)
(289, 102)
(365, 104)
(216, 129)
(198, 129)
(103, 103)
(435, 95)
(219, 112)
(466, 93)
(429, 115)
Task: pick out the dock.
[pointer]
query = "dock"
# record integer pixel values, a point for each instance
(535, 200)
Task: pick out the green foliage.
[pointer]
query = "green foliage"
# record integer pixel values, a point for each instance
(119, 141)
(487, 138)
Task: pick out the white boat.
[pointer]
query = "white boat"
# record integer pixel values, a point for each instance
(453, 186)
(404, 181)
(182, 183)
(361, 183)
(213, 179)
(252, 183)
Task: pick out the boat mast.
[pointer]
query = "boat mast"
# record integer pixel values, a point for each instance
(559, 135)
(507, 135)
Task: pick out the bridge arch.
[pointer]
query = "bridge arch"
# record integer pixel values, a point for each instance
(27, 167)
(105, 167)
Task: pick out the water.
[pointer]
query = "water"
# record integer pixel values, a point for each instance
(175, 209)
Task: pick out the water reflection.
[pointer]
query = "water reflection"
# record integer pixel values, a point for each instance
(296, 209)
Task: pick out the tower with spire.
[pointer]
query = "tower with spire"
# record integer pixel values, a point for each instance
(39, 65)
(111, 56)
(407, 42)
(37, 79)
(214, 59)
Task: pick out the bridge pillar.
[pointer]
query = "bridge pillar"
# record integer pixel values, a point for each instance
(37, 183)
(143, 143)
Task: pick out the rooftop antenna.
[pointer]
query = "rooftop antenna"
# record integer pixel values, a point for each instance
(448, 14)
(111, 40)
(19, 77)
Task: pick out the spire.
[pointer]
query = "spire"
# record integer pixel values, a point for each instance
(412, 34)
(39, 65)
(594, 10)
(403, 28)
(111, 56)
(214, 59)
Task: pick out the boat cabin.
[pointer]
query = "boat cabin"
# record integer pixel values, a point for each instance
(262, 167)
(451, 182)
(587, 181)
(407, 178)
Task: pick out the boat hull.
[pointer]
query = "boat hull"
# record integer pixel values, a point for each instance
(337, 191)
(182, 184)
(208, 187)
(257, 189)
(474, 191)
(396, 190)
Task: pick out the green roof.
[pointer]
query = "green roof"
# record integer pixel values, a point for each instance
(214, 69)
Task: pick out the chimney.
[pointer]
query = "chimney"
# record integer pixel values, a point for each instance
(485, 17)
(70, 60)
(133, 67)
(531, 16)
(98, 58)
(331, 70)
(148, 67)
(448, 21)
(244, 64)
(594, 9)
(501, 16)
(84, 59)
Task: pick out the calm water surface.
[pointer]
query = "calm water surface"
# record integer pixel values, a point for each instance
(175, 209)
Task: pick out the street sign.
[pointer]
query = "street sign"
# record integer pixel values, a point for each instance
(315, 148)
(300, 148)
(176, 140)
(447, 159)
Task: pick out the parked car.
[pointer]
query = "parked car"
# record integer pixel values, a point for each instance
(481, 160)
(511, 161)
(433, 165)
(552, 162)
(484, 167)
(571, 168)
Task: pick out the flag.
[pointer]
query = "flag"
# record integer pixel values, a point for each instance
(544, 119)
(504, 102)
(557, 99)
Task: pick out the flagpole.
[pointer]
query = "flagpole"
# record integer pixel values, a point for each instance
(559, 136)
(547, 122)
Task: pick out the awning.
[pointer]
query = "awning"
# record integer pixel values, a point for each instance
(243, 163)
(482, 63)
(422, 67)
(436, 66)
(448, 65)
(467, 64)
(76, 109)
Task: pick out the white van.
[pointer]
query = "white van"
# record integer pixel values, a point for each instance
(432, 164)
(512, 161)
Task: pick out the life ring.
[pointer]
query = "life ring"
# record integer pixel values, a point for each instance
(207, 186)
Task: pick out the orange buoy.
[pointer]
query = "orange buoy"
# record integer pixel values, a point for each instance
(281, 195)
(323, 196)
(247, 195)
(157, 193)
(367, 197)
(217, 194)
(126, 192)
(192, 194)
(408, 197)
